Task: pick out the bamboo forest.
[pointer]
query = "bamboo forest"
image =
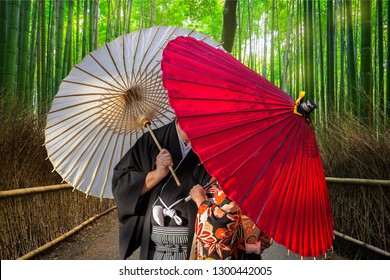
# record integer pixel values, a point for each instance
(336, 51)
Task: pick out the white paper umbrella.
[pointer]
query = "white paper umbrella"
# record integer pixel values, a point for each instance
(95, 116)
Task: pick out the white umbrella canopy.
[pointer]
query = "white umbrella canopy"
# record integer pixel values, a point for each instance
(95, 116)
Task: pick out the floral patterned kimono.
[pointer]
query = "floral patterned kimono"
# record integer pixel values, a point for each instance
(222, 232)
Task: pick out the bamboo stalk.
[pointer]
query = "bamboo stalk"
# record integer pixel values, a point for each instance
(17, 192)
(355, 181)
(368, 246)
(62, 237)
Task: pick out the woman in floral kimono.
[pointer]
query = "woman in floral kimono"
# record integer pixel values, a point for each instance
(222, 232)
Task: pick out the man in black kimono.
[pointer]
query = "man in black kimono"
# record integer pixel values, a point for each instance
(152, 211)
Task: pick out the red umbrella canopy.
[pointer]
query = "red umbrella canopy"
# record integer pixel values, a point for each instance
(248, 137)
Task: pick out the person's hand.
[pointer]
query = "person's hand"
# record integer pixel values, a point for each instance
(163, 161)
(265, 240)
(198, 194)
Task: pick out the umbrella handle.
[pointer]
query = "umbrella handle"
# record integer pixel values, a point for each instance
(160, 148)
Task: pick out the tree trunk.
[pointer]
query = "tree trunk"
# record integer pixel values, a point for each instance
(366, 60)
(92, 26)
(387, 97)
(52, 34)
(229, 24)
(23, 46)
(12, 48)
(351, 62)
(286, 52)
(272, 43)
(153, 14)
(108, 26)
(309, 63)
(59, 46)
(380, 102)
(279, 48)
(265, 48)
(67, 59)
(41, 75)
(298, 49)
(77, 46)
(249, 34)
(330, 57)
(84, 43)
(32, 56)
(3, 41)
(321, 99)
(341, 94)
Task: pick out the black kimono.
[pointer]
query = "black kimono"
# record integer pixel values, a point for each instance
(134, 210)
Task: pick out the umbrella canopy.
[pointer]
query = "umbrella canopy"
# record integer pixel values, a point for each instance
(94, 118)
(248, 137)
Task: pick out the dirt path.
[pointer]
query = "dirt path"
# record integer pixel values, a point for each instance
(99, 241)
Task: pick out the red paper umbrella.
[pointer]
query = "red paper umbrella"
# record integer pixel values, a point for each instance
(248, 137)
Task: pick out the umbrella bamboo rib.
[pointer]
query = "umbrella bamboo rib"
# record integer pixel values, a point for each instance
(97, 78)
(145, 53)
(135, 53)
(254, 153)
(87, 162)
(124, 62)
(88, 85)
(253, 121)
(115, 65)
(112, 156)
(75, 105)
(256, 94)
(69, 128)
(69, 139)
(153, 59)
(278, 174)
(105, 149)
(236, 112)
(108, 72)
(283, 105)
(76, 115)
(191, 60)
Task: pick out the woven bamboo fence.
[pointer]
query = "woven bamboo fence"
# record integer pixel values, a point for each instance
(361, 210)
(30, 220)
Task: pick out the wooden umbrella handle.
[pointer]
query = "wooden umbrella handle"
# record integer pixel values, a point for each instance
(147, 125)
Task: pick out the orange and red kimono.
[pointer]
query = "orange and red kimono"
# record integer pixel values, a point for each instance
(222, 232)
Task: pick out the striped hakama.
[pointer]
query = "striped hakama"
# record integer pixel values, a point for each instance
(171, 243)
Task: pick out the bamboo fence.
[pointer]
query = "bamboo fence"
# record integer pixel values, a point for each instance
(29, 219)
(361, 211)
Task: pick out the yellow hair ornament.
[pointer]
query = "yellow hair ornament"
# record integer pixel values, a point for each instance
(301, 95)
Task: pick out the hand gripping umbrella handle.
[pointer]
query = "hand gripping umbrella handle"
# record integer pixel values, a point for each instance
(206, 187)
(146, 123)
